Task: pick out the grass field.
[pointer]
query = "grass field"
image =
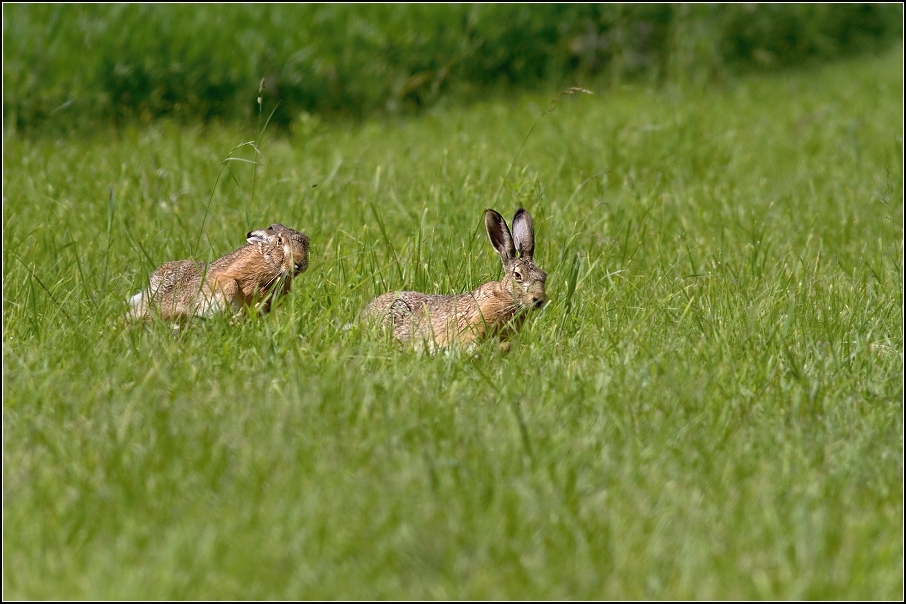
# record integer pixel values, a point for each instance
(711, 405)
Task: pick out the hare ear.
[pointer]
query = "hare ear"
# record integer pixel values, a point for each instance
(499, 233)
(258, 236)
(524, 233)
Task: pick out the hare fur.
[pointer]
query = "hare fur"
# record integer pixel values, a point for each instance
(251, 275)
(496, 308)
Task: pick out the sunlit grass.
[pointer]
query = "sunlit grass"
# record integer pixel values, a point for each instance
(709, 407)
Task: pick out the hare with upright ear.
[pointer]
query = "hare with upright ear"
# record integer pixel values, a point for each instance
(496, 308)
(253, 274)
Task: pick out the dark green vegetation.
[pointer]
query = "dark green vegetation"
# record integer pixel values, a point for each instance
(73, 64)
(710, 406)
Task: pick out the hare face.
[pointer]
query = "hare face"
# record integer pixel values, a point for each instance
(287, 246)
(526, 282)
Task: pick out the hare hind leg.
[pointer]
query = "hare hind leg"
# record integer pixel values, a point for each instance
(219, 297)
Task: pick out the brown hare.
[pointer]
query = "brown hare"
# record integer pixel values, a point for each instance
(248, 276)
(496, 308)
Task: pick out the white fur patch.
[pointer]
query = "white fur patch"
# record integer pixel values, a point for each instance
(135, 300)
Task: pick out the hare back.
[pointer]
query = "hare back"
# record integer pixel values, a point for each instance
(177, 275)
(443, 319)
(414, 315)
(184, 288)
(173, 290)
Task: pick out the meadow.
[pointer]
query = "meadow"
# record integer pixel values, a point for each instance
(710, 406)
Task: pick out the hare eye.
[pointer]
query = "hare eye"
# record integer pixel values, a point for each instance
(518, 275)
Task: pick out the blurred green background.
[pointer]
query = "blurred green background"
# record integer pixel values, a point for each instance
(76, 64)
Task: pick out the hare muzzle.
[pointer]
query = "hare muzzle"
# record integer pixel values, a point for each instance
(538, 300)
(534, 296)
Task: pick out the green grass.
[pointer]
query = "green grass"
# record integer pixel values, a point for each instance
(709, 407)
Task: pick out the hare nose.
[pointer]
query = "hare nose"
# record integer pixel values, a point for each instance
(538, 300)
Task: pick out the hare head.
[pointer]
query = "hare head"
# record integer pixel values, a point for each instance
(522, 278)
(283, 246)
